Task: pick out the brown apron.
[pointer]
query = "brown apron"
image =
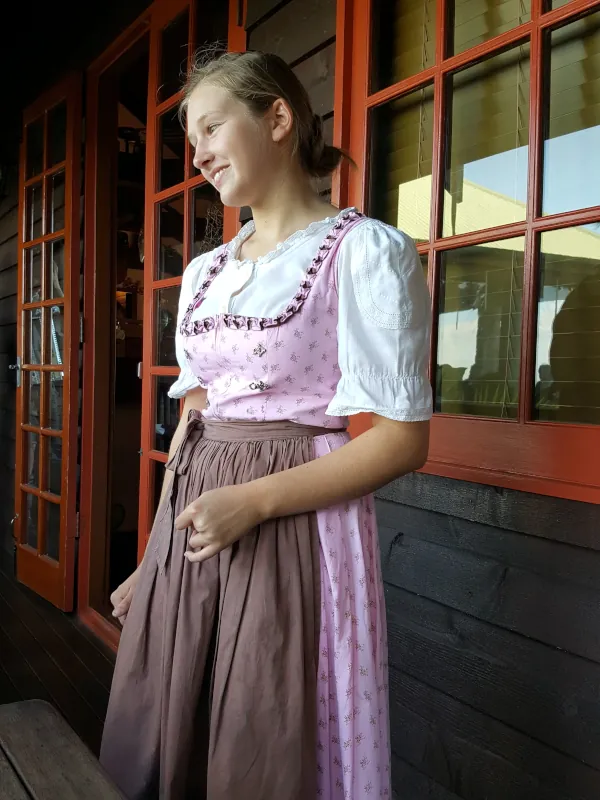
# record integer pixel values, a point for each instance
(214, 692)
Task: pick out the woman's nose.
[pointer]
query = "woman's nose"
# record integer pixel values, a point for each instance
(202, 157)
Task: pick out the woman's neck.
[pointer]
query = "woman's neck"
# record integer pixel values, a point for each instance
(291, 206)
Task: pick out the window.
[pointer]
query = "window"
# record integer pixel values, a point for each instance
(476, 127)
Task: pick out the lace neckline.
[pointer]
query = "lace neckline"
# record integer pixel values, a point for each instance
(233, 248)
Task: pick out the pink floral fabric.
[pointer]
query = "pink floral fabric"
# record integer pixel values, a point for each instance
(285, 368)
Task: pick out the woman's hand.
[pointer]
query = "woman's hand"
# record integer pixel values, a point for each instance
(220, 517)
(123, 595)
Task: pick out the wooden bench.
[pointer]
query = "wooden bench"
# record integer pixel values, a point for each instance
(42, 758)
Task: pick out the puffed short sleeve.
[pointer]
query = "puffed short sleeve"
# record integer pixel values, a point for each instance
(189, 283)
(384, 326)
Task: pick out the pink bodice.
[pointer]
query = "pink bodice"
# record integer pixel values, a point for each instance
(263, 369)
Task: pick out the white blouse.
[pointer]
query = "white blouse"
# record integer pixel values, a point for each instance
(384, 319)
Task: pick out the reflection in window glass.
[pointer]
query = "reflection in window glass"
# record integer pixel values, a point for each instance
(479, 330)
(486, 170)
(54, 418)
(33, 275)
(207, 211)
(552, 4)
(53, 464)
(32, 380)
(35, 148)
(401, 154)
(52, 530)
(166, 413)
(167, 303)
(567, 379)
(173, 144)
(573, 124)
(403, 35)
(32, 458)
(174, 51)
(57, 134)
(170, 233)
(31, 520)
(476, 21)
(33, 212)
(55, 333)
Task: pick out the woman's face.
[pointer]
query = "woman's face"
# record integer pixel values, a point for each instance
(233, 149)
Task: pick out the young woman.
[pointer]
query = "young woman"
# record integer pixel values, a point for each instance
(253, 660)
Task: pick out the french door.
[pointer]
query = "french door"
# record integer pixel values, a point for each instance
(48, 336)
(183, 219)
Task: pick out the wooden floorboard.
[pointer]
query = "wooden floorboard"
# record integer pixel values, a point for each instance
(45, 655)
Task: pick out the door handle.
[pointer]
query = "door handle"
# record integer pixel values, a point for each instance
(139, 369)
(14, 519)
(17, 368)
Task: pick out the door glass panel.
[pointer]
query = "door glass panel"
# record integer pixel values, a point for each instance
(32, 458)
(571, 178)
(57, 202)
(166, 413)
(403, 39)
(31, 520)
(35, 148)
(424, 257)
(53, 464)
(172, 146)
(207, 222)
(56, 268)
(567, 379)
(167, 301)
(170, 238)
(52, 530)
(32, 326)
(401, 156)
(57, 134)
(476, 21)
(55, 399)
(479, 329)
(33, 212)
(552, 4)
(33, 274)
(55, 334)
(174, 51)
(486, 171)
(31, 388)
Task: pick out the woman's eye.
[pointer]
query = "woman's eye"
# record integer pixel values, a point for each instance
(212, 128)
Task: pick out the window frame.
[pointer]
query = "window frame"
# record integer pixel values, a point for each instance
(551, 458)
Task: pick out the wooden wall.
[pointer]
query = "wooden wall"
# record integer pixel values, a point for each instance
(8, 351)
(493, 601)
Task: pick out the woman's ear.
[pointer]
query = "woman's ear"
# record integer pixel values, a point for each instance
(281, 119)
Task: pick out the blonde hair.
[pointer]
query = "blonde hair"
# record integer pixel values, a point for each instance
(258, 80)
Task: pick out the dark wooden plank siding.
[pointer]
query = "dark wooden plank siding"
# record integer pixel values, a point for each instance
(296, 29)
(493, 601)
(8, 333)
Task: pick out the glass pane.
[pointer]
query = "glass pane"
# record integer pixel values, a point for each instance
(401, 153)
(167, 301)
(53, 464)
(170, 238)
(479, 330)
(55, 399)
(31, 442)
(31, 386)
(35, 148)
(403, 37)
(174, 51)
(166, 413)
(571, 163)
(567, 379)
(55, 317)
(57, 134)
(476, 21)
(57, 202)
(33, 212)
(33, 275)
(486, 170)
(31, 520)
(552, 4)
(173, 143)
(425, 263)
(207, 223)
(56, 266)
(52, 530)
(158, 477)
(32, 333)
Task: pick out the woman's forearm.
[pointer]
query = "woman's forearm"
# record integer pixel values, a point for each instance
(386, 451)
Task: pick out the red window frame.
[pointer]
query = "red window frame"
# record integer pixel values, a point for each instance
(548, 458)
